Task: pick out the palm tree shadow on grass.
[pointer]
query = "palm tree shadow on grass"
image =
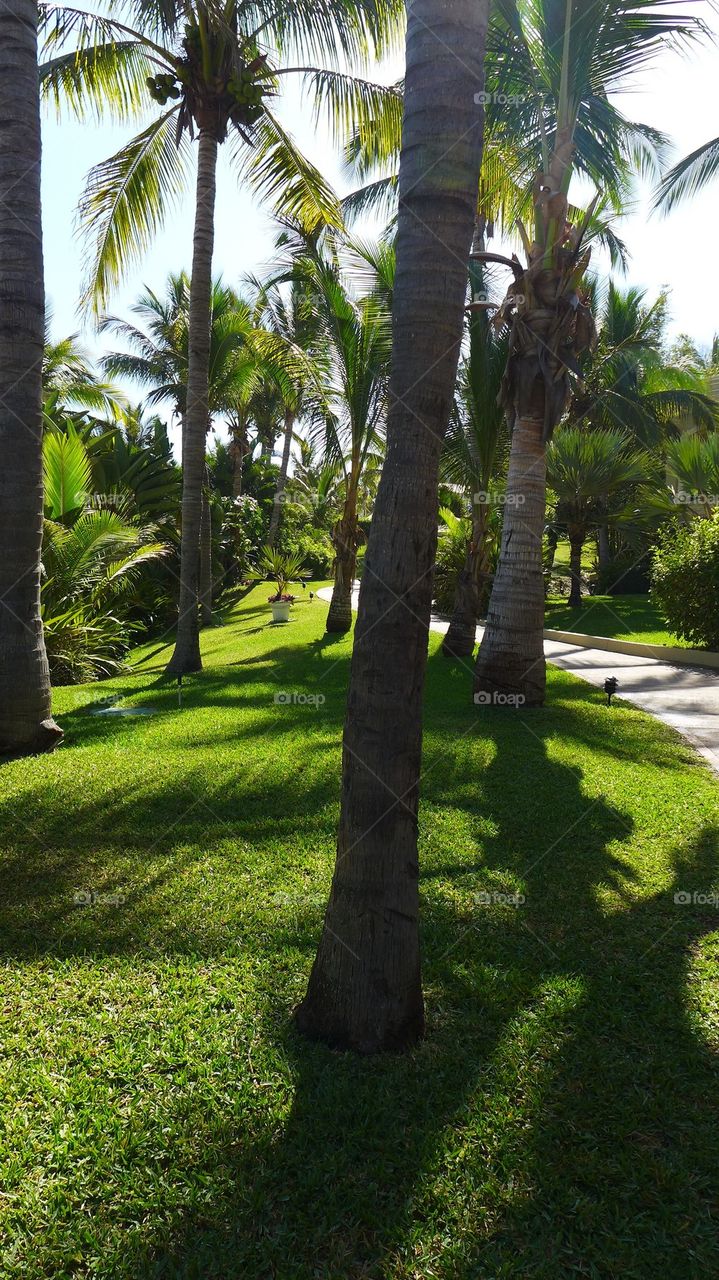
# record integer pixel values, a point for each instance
(556, 1121)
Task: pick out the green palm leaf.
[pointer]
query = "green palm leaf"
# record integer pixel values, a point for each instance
(126, 201)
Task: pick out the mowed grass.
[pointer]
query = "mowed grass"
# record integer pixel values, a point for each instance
(631, 617)
(160, 1115)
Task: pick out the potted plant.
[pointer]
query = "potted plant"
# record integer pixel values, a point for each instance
(284, 569)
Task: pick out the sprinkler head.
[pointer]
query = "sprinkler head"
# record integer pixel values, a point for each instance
(610, 688)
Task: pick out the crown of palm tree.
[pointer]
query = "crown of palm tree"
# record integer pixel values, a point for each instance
(207, 66)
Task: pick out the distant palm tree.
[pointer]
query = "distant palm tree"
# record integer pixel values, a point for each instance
(70, 385)
(159, 358)
(564, 62)
(590, 474)
(476, 439)
(213, 70)
(356, 335)
(26, 723)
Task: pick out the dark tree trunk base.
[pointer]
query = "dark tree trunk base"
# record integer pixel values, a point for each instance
(460, 640)
(320, 1018)
(181, 665)
(509, 677)
(339, 618)
(49, 736)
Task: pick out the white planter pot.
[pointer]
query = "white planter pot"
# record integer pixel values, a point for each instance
(280, 610)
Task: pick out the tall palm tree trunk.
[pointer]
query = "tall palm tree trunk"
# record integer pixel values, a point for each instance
(186, 656)
(471, 589)
(206, 556)
(345, 539)
(511, 655)
(26, 724)
(576, 546)
(365, 990)
(281, 479)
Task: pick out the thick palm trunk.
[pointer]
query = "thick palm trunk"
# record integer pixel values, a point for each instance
(186, 656)
(511, 655)
(281, 480)
(365, 990)
(206, 556)
(576, 544)
(461, 637)
(26, 724)
(345, 539)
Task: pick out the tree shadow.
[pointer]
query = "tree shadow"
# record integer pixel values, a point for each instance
(562, 1100)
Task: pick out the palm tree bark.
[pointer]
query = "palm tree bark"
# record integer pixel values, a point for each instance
(186, 657)
(26, 724)
(576, 545)
(206, 556)
(281, 479)
(471, 591)
(365, 990)
(239, 449)
(511, 655)
(346, 537)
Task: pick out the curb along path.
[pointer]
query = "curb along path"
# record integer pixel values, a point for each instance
(687, 698)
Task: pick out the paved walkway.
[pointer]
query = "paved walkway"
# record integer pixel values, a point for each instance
(687, 698)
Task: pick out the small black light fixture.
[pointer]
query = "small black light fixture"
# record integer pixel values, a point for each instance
(610, 688)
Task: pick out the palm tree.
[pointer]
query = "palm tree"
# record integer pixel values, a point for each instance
(351, 405)
(159, 358)
(26, 724)
(365, 990)
(213, 70)
(471, 455)
(589, 473)
(573, 54)
(290, 318)
(70, 386)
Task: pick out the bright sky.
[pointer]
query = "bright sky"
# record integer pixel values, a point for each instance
(678, 96)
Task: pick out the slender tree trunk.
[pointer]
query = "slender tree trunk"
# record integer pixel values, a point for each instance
(186, 656)
(365, 991)
(604, 551)
(26, 724)
(511, 655)
(576, 545)
(281, 479)
(461, 637)
(239, 449)
(345, 539)
(206, 556)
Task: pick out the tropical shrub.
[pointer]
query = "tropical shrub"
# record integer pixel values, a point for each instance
(451, 554)
(95, 550)
(242, 533)
(685, 581)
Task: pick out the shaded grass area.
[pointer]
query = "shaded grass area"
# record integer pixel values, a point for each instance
(631, 617)
(162, 1119)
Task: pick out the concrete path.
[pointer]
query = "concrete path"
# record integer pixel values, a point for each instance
(687, 698)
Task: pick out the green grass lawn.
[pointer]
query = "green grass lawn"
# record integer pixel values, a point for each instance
(160, 1116)
(622, 617)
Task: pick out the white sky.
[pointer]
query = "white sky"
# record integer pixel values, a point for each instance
(678, 95)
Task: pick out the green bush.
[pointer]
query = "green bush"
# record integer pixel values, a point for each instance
(623, 576)
(685, 581)
(451, 556)
(297, 537)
